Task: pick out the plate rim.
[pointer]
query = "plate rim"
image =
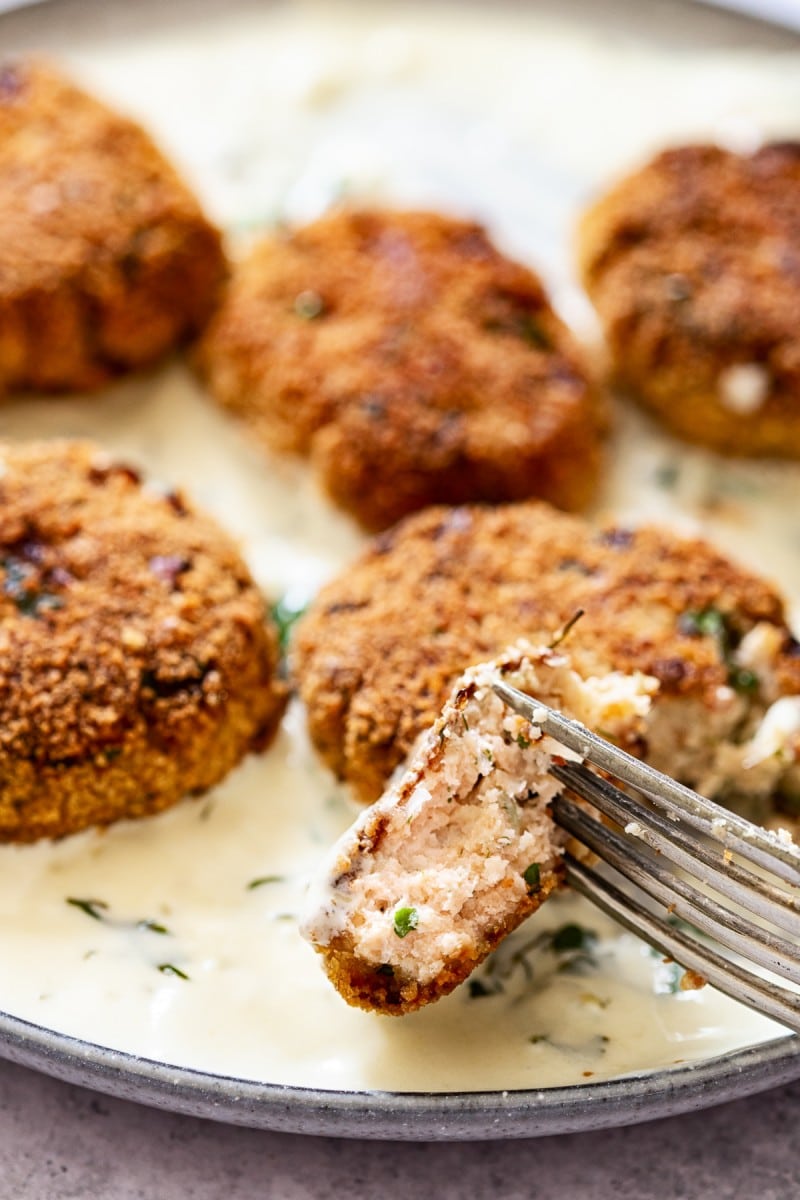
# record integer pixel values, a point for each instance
(402, 1116)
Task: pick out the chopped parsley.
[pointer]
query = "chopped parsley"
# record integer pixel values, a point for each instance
(572, 937)
(93, 908)
(284, 614)
(152, 926)
(405, 919)
(710, 622)
(522, 741)
(263, 880)
(171, 969)
(533, 877)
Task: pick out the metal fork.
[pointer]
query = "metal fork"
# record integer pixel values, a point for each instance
(706, 882)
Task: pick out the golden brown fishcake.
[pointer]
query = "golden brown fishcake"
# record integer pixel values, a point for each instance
(693, 264)
(412, 361)
(135, 664)
(106, 259)
(382, 645)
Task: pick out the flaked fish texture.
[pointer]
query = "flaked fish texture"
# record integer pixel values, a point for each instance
(461, 848)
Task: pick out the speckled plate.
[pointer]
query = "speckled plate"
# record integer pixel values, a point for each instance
(413, 1116)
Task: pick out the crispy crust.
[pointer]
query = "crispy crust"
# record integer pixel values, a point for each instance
(455, 835)
(135, 665)
(106, 260)
(363, 987)
(412, 362)
(693, 264)
(382, 645)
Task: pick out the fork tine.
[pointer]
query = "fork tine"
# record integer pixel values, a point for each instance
(755, 893)
(728, 977)
(680, 896)
(750, 841)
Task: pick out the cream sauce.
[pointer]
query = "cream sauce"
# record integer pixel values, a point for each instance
(515, 115)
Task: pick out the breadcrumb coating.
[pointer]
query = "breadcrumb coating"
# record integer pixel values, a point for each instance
(380, 648)
(412, 361)
(461, 848)
(693, 264)
(135, 663)
(106, 259)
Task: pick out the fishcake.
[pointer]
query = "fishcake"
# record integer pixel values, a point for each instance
(693, 264)
(382, 645)
(106, 259)
(461, 848)
(136, 666)
(411, 361)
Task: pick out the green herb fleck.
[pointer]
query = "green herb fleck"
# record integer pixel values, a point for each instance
(309, 305)
(33, 603)
(572, 937)
(152, 926)
(263, 880)
(405, 919)
(742, 679)
(533, 877)
(710, 622)
(285, 615)
(93, 908)
(522, 741)
(171, 969)
(667, 475)
(385, 969)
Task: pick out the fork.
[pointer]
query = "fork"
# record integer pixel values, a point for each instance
(755, 914)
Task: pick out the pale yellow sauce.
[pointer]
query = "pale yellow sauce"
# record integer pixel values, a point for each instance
(517, 117)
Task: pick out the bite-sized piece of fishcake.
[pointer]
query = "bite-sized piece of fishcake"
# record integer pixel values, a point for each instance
(135, 663)
(461, 848)
(411, 360)
(693, 264)
(106, 259)
(381, 646)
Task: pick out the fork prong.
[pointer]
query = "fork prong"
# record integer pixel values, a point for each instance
(678, 895)
(771, 902)
(760, 994)
(750, 841)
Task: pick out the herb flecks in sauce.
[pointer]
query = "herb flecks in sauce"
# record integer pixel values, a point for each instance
(263, 880)
(100, 910)
(93, 908)
(284, 614)
(153, 927)
(171, 969)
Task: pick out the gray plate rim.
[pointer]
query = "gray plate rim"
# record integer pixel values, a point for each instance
(404, 1116)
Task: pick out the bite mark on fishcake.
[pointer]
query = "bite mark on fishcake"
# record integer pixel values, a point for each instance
(461, 848)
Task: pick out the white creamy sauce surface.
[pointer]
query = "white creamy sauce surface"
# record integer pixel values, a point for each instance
(516, 115)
